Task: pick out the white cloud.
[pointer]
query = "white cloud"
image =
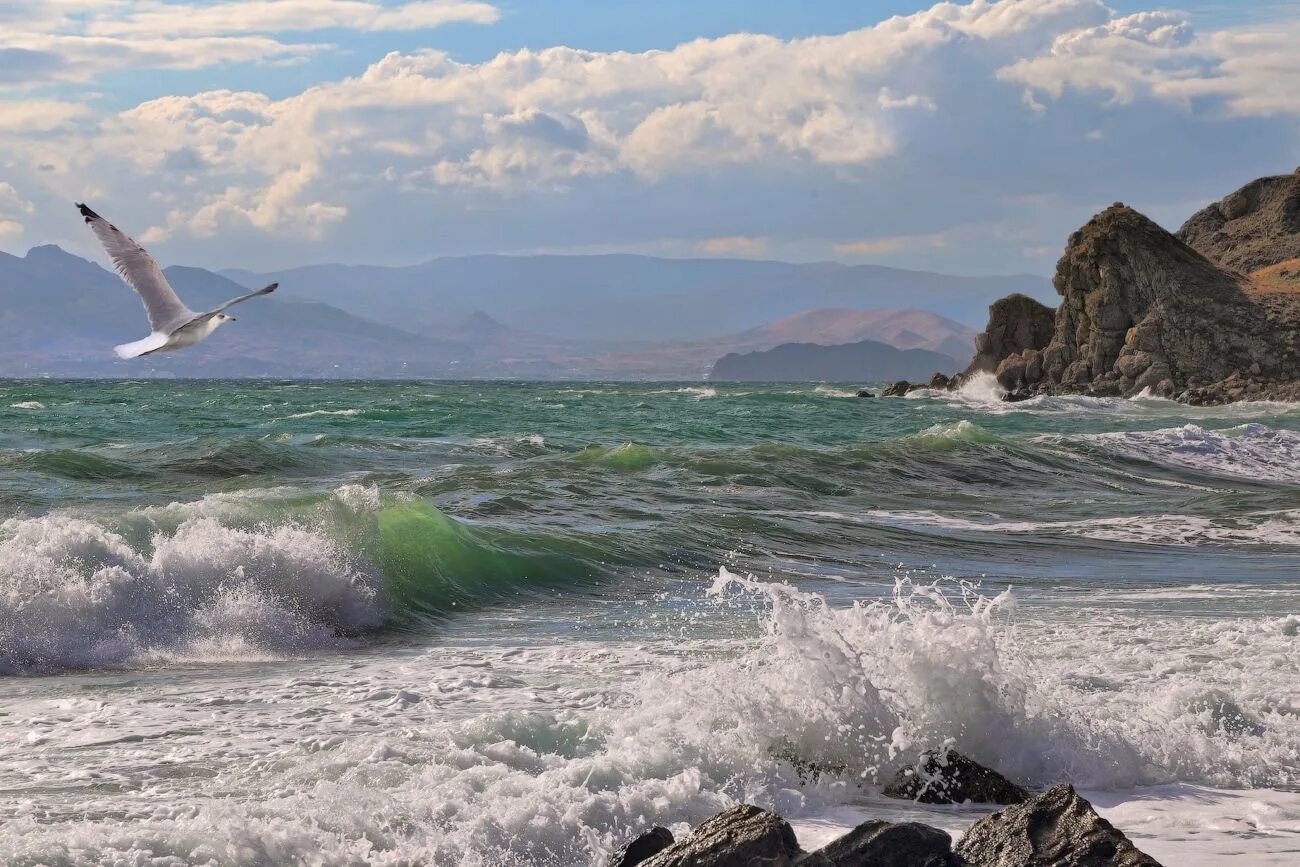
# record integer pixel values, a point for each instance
(33, 116)
(910, 127)
(734, 245)
(78, 40)
(13, 209)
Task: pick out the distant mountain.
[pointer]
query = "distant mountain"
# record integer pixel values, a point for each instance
(631, 298)
(61, 315)
(904, 329)
(863, 361)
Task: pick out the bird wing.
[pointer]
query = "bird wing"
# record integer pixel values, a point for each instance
(166, 311)
(233, 301)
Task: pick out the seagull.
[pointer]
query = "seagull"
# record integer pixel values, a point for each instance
(174, 326)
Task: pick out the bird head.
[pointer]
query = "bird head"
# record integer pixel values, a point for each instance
(221, 317)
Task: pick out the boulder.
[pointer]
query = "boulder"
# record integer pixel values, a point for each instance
(1253, 228)
(948, 777)
(1056, 829)
(866, 392)
(939, 381)
(743, 836)
(889, 844)
(641, 848)
(896, 389)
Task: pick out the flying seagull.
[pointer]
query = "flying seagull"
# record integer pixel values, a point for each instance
(174, 325)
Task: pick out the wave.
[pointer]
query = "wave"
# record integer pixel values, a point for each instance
(324, 412)
(1277, 528)
(27, 404)
(1249, 451)
(255, 574)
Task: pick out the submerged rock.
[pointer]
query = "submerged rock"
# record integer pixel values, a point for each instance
(1056, 829)
(866, 392)
(897, 389)
(948, 777)
(889, 844)
(641, 848)
(743, 836)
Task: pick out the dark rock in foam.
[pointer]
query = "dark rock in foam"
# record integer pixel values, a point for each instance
(948, 777)
(889, 844)
(743, 836)
(643, 847)
(1056, 829)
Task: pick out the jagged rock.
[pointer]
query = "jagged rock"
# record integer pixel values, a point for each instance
(897, 389)
(1056, 829)
(1016, 323)
(641, 848)
(743, 836)
(939, 381)
(1253, 228)
(866, 392)
(889, 844)
(948, 777)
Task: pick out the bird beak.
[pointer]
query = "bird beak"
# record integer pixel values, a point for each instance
(230, 318)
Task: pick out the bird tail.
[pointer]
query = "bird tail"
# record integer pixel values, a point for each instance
(135, 349)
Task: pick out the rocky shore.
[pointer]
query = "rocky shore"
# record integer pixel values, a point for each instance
(1208, 315)
(1055, 828)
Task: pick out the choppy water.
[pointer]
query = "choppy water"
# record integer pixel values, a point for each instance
(498, 624)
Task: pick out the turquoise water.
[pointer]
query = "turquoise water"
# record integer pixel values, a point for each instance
(388, 621)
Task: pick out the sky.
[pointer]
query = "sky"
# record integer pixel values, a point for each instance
(964, 137)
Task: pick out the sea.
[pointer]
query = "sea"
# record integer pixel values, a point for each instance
(515, 624)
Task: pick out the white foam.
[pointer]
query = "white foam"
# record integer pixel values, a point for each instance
(319, 412)
(75, 594)
(27, 404)
(1250, 451)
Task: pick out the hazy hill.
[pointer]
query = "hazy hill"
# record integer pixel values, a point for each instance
(904, 329)
(863, 361)
(637, 298)
(62, 315)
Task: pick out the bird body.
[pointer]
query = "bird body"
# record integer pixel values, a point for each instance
(174, 326)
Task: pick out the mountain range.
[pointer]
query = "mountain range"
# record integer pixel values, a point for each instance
(619, 317)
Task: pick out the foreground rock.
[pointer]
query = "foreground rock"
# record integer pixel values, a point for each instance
(642, 848)
(1056, 829)
(948, 777)
(744, 836)
(896, 389)
(888, 844)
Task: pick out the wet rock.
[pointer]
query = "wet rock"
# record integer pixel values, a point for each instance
(948, 777)
(641, 848)
(743, 836)
(889, 844)
(939, 381)
(896, 389)
(866, 392)
(1056, 829)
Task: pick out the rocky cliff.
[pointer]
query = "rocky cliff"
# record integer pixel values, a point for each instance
(1253, 228)
(1141, 310)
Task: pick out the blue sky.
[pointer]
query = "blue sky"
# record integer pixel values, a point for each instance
(963, 137)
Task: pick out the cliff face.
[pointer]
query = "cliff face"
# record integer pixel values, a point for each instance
(1252, 228)
(1140, 309)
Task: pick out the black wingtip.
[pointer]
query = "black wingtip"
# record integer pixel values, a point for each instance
(269, 289)
(88, 213)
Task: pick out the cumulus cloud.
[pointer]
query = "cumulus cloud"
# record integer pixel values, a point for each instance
(76, 40)
(889, 135)
(13, 208)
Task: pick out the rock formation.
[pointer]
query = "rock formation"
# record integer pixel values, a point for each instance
(737, 837)
(889, 844)
(1251, 229)
(948, 777)
(1143, 311)
(1016, 323)
(1056, 829)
